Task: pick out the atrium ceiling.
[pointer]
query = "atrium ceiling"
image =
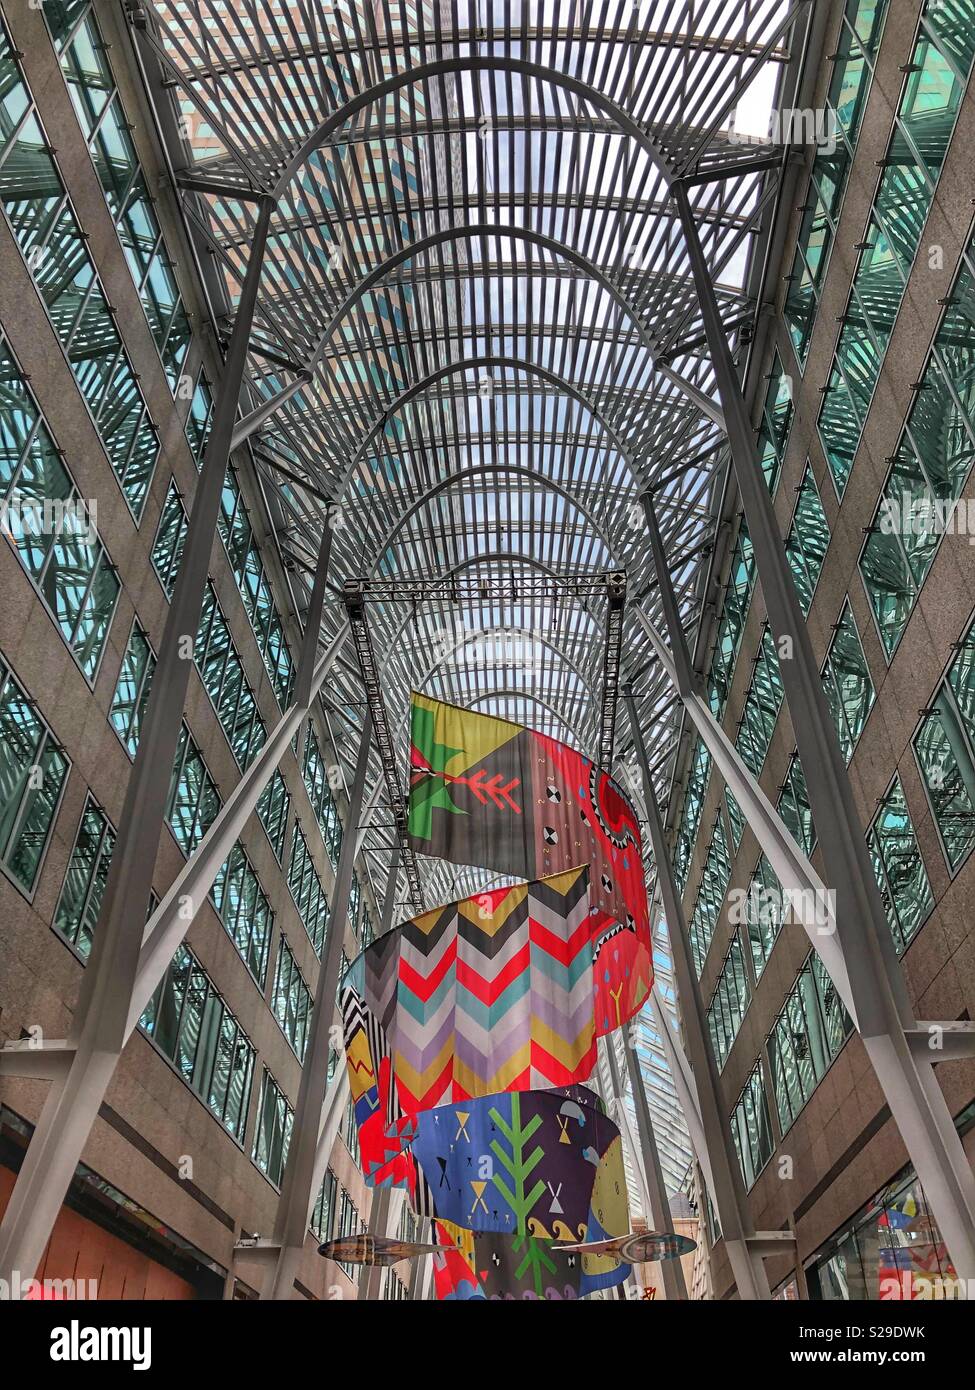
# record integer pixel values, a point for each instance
(477, 339)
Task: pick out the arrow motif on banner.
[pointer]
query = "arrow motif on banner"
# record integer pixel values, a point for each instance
(488, 790)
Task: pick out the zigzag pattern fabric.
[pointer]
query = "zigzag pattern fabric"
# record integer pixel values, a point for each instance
(489, 994)
(487, 792)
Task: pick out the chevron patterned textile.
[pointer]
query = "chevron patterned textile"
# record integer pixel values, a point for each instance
(490, 994)
(487, 792)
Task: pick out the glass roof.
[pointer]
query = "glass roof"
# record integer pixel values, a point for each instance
(476, 319)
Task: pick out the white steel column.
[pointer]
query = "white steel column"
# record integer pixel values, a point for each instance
(671, 1271)
(82, 1067)
(297, 1190)
(727, 1188)
(882, 1007)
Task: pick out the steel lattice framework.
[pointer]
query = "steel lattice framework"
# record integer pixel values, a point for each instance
(487, 277)
(475, 322)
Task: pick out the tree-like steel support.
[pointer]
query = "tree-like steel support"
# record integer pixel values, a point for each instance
(899, 1046)
(882, 1007)
(727, 1189)
(297, 1189)
(82, 1067)
(811, 902)
(671, 1271)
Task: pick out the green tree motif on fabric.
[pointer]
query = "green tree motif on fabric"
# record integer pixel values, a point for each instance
(519, 1166)
(430, 793)
(537, 1258)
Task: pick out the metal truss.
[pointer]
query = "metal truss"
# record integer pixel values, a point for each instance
(479, 284)
(372, 685)
(616, 603)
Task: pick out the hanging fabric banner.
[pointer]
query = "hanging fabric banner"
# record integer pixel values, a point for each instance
(487, 792)
(489, 994)
(496, 1266)
(551, 1172)
(523, 1162)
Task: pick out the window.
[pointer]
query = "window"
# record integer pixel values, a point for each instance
(808, 1034)
(764, 909)
(891, 1249)
(324, 1209)
(944, 751)
(237, 895)
(355, 901)
(930, 466)
(350, 1133)
(45, 227)
(291, 1001)
(222, 673)
(50, 526)
(132, 691)
(751, 1127)
(99, 110)
(697, 781)
(761, 708)
(217, 660)
(272, 808)
(776, 422)
(192, 1026)
(729, 1002)
(734, 614)
(350, 1224)
(244, 911)
(846, 678)
(307, 891)
(33, 771)
(199, 418)
(408, 1228)
(794, 807)
(255, 590)
(193, 797)
(272, 1139)
(710, 897)
(808, 540)
(167, 550)
(315, 774)
(899, 867)
(735, 818)
(930, 99)
(393, 1288)
(856, 50)
(84, 883)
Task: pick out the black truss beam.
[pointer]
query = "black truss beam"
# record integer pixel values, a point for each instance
(616, 604)
(372, 683)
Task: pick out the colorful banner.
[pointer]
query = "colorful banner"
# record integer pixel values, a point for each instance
(487, 792)
(540, 1163)
(503, 1267)
(489, 994)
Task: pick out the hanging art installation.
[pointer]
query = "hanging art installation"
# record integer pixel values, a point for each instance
(501, 796)
(469, 1028)
(365, 1249)
(639, 1247)
(552, 1170)
(488, 994)
(493, 1266)
(542, 1163)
